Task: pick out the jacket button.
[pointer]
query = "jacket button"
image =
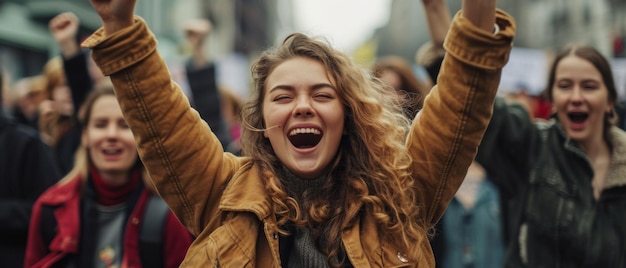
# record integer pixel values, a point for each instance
(135, 221)
(402, 258)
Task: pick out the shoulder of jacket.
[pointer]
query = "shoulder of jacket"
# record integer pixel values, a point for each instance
(544, 124)
(62, 191)
(24, 133)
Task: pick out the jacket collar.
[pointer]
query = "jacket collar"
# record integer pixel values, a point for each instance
(246, 192)
(616, 176)
(63, 191)
(617, 171)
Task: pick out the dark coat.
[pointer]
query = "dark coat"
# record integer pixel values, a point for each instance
(554, 219)
(206, 99)
(26, 170)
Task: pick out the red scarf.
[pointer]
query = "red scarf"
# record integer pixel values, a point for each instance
(109, 195)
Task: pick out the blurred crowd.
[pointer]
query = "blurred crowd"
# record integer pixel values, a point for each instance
(64, 143)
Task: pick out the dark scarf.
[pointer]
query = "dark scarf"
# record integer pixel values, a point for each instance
(109, 195)
(296, 186)
(298, 249)
(92, 197)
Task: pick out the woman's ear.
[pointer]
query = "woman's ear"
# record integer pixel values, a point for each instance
(610, 109)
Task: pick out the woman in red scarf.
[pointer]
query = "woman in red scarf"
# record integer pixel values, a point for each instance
(96, 215)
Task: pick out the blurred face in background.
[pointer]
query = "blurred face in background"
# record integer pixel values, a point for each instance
(580, 98)
(391, 78)
(56, 87)
(109, 141)
(62, 100)
(30, 92)
(394, 80)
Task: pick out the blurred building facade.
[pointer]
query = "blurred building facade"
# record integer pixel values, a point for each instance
(25, 42)
(618, 25)
(242, 30)
(542, 24)
(242, 27)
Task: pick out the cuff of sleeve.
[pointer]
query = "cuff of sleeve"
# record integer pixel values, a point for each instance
(478, 47)
(122, 49)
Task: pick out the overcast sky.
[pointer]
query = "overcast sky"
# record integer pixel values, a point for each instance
(345, 23)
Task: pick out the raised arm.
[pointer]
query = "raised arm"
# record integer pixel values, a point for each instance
(115, 14)
(508, 126)
(185, 160)
(430, 55)
(481, 13)
(196, 33)
(447, 132)
(437, 19)
(64, 30)
(202, 78)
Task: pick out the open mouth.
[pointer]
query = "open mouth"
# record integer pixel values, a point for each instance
(112, 151)
(303, 138)
(578, 117)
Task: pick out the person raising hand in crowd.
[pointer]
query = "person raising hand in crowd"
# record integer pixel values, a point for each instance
(70, 79)
(201, 75)
(333, 174)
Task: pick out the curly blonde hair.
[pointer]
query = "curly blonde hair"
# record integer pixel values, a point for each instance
(54, 124)
(370, 174)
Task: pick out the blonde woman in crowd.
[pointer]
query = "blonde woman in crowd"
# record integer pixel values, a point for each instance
(55, 114)
(101, 213)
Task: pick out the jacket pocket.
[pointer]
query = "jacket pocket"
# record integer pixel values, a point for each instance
(551, 203)
(551, 219)
(224, 248)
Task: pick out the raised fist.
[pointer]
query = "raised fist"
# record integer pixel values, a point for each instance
(115, 14)
(64, 27)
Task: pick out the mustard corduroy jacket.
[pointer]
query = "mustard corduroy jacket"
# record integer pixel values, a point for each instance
(202, 184)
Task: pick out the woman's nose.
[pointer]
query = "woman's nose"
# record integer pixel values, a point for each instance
(576, 95)
(303, 107)
(112, 131)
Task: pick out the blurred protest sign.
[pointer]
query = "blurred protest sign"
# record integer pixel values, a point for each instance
(526, 71)
(619, 72)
